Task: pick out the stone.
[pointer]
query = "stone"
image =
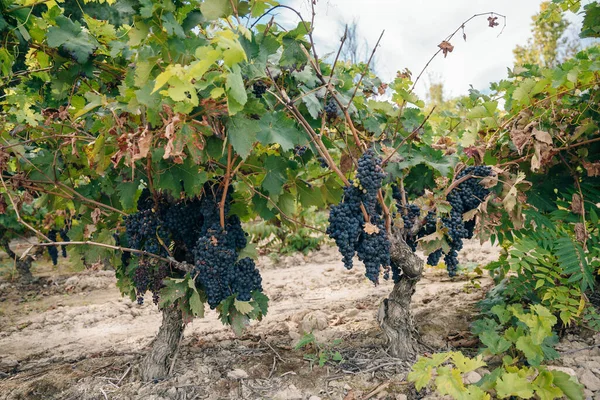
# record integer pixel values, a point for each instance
(313, 397)
(471, 378)
(401, 397)
(589, 380)
(289, 393)
(588, 394)
(237, 374)
(314, 321)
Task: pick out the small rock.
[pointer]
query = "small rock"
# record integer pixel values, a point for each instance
(8, 363)
(401, 397)
(589, 380)
(382, 395)
(471, 378)
(588, 394)
(314, 398)
(314, 321)
(290, 393)
(237, 374)
(171, 392)
(569, 371)
(347, 387)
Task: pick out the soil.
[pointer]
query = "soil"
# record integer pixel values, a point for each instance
(72, 336)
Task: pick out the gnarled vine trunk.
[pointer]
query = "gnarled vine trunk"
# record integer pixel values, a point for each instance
(23, 266)
(157, 362)
(395, 317)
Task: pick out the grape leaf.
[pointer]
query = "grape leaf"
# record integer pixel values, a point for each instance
(277, 128)
(215, 9)
(512, 384)
(243, 306)
(241, 133)
(568, 384)
(72, 38)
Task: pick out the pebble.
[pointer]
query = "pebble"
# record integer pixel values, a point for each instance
(589, 380)
(471, 378)
(237, 374)
(313, 397)
(290, 393)
(569, 371)
(401, 397)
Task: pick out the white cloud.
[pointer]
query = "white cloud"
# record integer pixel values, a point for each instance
(413, 29)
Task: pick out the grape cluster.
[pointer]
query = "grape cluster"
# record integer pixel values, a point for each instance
(65, 238)
(189, 230)
(52, 250)
(322, 162)
(347, 223)
(259, 88)
(467, 196)
(331, 109)
(370, 175)
(300, 150)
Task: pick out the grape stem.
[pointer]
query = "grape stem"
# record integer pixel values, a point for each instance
(225, 188)
(456, 183)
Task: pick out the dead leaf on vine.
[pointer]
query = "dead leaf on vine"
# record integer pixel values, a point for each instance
(214, 241)
(346, 163)
(175, 144)
(27, 198)
(96, 214)
(577, 204)
(593, 169)
(580, 233)
(469, 215)
(446, 47)
(492, 21)
(382, 88)
(519, 138)
(89, 230)
(143, 145)
(542, 136)
(3, 205)
(371, 229)
(543, 154)
(476, 153)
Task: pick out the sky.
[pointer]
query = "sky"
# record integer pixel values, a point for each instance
(413, 29)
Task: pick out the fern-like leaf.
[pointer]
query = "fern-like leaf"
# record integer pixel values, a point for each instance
(572, 259)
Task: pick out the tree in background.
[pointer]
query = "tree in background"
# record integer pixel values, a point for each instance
(549, 45)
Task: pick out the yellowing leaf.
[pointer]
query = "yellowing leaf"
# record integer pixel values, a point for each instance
(511, 384)
(371, 229)
(466, 364)
(243, 307)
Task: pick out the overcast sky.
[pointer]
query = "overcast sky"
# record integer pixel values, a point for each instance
(413, 29)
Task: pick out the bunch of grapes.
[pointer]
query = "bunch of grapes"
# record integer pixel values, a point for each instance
(65, 238)
(331, 109)
(52, 250)
(216, 255)
(467, 196)
(370, 176)
(259, 88)
(189, 230)
(322, 162)
(300, 150)
(347, 224)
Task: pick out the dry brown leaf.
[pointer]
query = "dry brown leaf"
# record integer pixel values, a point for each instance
(346, 163)
(143, 145)
(370, 228)
(3, 205)
(542, 136)
(519, 138)
(492, 21)
(593, 169)
(446, 47)
(89, 230)
(580, 233)
(96, 215)
(577, 204)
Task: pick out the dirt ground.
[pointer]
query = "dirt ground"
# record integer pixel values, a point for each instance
(72, 336)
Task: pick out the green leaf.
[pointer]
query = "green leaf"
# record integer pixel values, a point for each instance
(172, 26)
(262, 301)
(173, 290)
(238, 322)
(243, 306)
(305, 340)
(196, 304)
(293, 54)
(275, 177)
(249, 251)
(533, 352)
(495, 343)
(127, 192)
(308, 196)
(278, 128)
(512, 384)
(215, 9)
(544, 387)
(449, 382)
(241, 133)
(235, 87)
(466, 364)
(72, 38)
(570, 387)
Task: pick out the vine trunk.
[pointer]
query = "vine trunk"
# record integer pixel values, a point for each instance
(395, 317)
(157, 363)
